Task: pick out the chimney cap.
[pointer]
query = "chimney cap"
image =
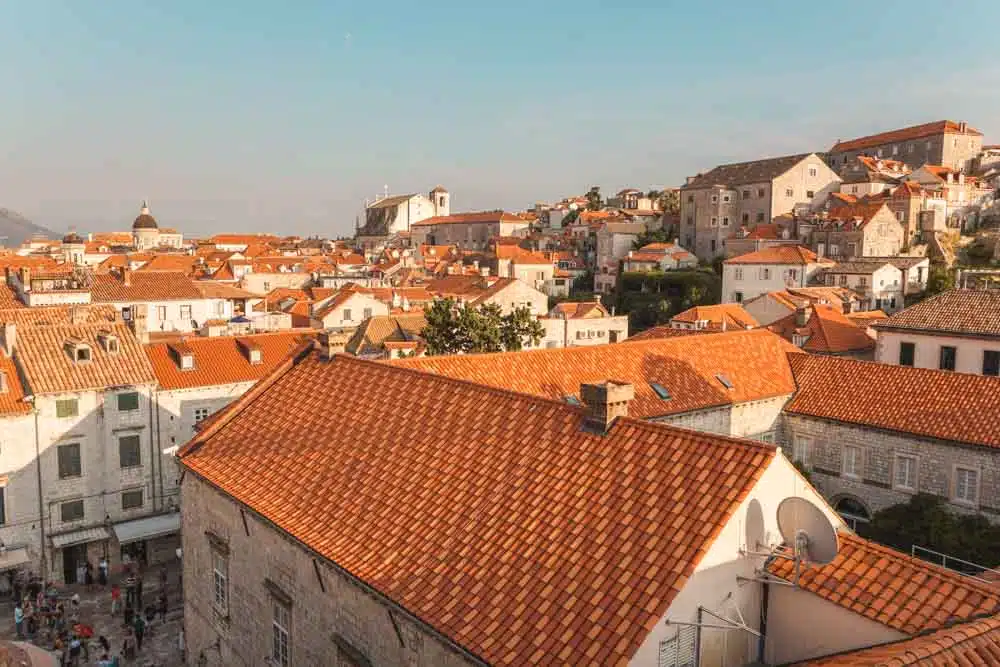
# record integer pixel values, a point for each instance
(605, 401)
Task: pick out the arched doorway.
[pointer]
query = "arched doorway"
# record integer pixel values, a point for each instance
(853, 511)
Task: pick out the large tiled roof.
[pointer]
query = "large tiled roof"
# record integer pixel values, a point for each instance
(959, 311)
(753, 361)
(900, 591)
(937, 404)
(12, 401)
(829, 331)
(220, 360)
(904, 134)
(663, 331)
(49, 315)
(732, 315)
(482, 217)
(43, 354)
(8, 297)
(575, 310)
(741, 173)
(780, 254)
(507, 527)
(143, 286)
(972, 644)
(375, 332)
(860, 266)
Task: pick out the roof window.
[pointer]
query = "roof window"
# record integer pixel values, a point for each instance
(726, 382)
(79, 351)
(660, 390)
(572, 400)
(183, 355)
(109, 342)
(251, 350)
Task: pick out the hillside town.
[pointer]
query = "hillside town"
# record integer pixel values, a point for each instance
(562, 435)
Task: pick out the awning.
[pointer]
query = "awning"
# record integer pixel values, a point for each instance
(13, 557)
(148, 527)
(79, 537)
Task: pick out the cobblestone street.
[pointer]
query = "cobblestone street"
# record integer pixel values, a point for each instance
(160, 646)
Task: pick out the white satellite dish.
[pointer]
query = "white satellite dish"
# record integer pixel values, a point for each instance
(755, 535)
(806, 529)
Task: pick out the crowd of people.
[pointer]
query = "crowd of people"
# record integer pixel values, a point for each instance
(50, 617)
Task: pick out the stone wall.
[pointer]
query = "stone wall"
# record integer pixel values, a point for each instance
(331, 615)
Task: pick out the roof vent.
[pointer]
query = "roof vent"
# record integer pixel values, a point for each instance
(251, 350)
(183, 355)
(726, 382)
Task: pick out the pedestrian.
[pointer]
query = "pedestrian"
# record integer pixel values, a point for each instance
(163, 605)
(102, 571)
(130, 588)
(138, 592)
(128, 646)
(140, 630)
(116, 598)
(105, 661)
(74, 650)
(19, 619)
(105, 644)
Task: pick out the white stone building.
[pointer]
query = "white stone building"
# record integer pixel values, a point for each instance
(770, 269)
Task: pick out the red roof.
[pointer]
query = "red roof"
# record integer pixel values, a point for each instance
(905, 134)
(829, 331)
(12, 401)
(483, 217)
(732, 315)
(508, 527)
(783, 254)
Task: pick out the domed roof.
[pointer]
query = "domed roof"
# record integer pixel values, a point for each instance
(73, 238)
(145, 220)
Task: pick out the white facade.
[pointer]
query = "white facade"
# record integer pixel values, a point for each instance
(582, 331)
(18, 466)
(714, 586)
(350, 313)
(881, 289)
(970, 353)
(180, 315)
(742, 282)
(262, 283)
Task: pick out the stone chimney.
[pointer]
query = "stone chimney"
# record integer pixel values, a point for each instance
(137, 322)
(77, 315)
(605, 402)
(963, 127)
(802, 314)
(331, 344)
(25, 279)
(126, 276)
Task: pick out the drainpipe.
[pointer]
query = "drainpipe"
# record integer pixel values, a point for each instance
(41, 502)
(762, 640)
(152, 449)
(159, 445)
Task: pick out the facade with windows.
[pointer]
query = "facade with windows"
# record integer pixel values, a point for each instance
(945, 142)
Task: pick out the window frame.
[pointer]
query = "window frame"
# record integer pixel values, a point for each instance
(62, 510)
(131, 507)
(138, 451)
(185, 308)
(995, 366)
(954, 485)
(127, 394)
(857, 461)
(67, 447)
(62, 403)
(220, 581)
(941, 357)
(912, 347)
(205, 412)
(281, 633)
(909, 488)
(801, 450)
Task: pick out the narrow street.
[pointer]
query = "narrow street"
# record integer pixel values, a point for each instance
(160, 646)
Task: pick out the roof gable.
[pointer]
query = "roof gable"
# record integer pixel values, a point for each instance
(745, 173)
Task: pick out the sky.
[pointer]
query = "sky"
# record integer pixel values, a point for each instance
(283, 117)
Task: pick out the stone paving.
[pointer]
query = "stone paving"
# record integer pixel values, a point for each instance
(160, 645)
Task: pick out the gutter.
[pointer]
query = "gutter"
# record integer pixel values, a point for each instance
(153, 450)
(41, 502)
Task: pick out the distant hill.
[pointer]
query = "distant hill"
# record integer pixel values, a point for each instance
(19, 229)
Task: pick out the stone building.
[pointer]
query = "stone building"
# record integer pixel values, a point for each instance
(716, 203)
(388, 216)
(944, 142)
(468, 231)
(854, 231)
(771, 269)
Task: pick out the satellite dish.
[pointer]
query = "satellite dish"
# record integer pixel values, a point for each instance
(806, 529)
(755, 526)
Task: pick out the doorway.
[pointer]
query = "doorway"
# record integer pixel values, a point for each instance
(73, 557)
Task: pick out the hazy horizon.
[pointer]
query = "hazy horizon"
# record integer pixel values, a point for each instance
(283, 119)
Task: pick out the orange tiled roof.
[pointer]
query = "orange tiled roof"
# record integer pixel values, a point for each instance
(12, 401)
(220, 360)
(732, 314)
(170, 262)
(904, 134)
(447, 522)
(213, 290)
(685, 366)
(53, 315)
(783, 254)
(49, 369)
(482, 217)
(959, 311)
(866, 318)
(579, 310)
(892, 588)
(8, 297)
(244, 239)
(664, 331)
(143, 286)
(829, 331)
(937, 404)
(972, 644)
(378, 331)
(864, 212)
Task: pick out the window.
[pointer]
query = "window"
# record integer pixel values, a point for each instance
(765, 273)
(862, 282)
(792, 274)
(71, 511)
(726, 198)
(767, 436)
(131, 500)
(368, 311)
(81, 353)
(854, 189)
(904, 475)
(810, 194)
(69, 460)
(907, 352)
(760, 192)
(220, 308)
(161, 313)
(946, 362)
(660, 391)
(725, 221)
(201, 413)
(738, 273)
(185, 312)
(679, 651)
(760, 216)
(267, 286)
(738, 297)
(910, 148)
(67, 407)
(347, 314)
(715, 198)
(966, 485)
(746, 194)
(851, 461)
(843, 281)
(128, 451)
(789, 192)
(128, 401)
(280, 629)
(895, 149)
(690, 199)
(714, 221)
(991, 362)
(711, 245)
(813, 172)
(220, 579)
(746, 218)
(690, 221)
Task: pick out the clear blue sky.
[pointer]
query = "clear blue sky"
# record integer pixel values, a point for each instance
(268, 116)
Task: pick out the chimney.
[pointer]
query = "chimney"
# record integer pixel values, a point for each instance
(25, 279)
(802, 315)
(137, 322)
(963, 126)
(77, 315)
(605, 402)
(9, 338)
(126, 276)
(331, 344)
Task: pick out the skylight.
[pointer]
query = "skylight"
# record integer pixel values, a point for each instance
(726, 382)
(660, 390)
(572, 400)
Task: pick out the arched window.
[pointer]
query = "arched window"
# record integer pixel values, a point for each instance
(853, 511)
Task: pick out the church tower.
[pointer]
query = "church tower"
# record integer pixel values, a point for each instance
(145, 231)
(441, 200)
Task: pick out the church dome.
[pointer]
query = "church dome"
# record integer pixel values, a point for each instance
(145, 220)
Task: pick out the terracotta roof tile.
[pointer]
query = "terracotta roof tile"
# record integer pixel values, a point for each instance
(740, 173)
(143, 286)
(829, 331)
(686, 366)
(732, 314)
(890, 587)
(937, 404)
(575, 310)
(12, 393)
(8, 297)
(376, 333)
(959, 311)
(663, 331)
(170, 262)
(481, 217)
(782, 254)
(904, 134)
(413, 512)
(972, 644)
(220, 360)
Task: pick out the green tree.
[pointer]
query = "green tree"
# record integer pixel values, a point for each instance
(670, 202)
(594, 201)
(655, 236)
(467, 329)
(939, 279)
(571, 217)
